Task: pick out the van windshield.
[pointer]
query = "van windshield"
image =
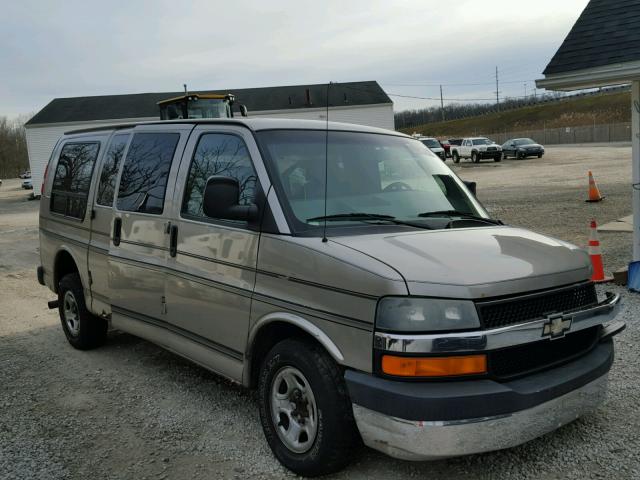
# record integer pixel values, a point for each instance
(367, 174)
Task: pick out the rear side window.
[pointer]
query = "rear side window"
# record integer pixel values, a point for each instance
(72, 179)
(223, 155)
(107, 185)
(143, 182)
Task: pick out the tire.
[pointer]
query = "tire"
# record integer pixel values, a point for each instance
(475, 158)
(456, 157)
(83, 330)
(539, 155)
(497, 158)
(291, 366)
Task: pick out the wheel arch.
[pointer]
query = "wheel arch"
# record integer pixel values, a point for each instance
(278, 326)
(64, 264)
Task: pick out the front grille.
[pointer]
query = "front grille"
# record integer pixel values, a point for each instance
(512, 362)
(510, 311)
(491, 149)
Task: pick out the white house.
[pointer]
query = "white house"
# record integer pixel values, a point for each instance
(363, 103)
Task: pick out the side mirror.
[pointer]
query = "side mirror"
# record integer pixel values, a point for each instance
(222, 200)
(243, 111)
(471, 186)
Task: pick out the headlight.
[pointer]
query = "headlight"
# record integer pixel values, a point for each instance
(411, 314)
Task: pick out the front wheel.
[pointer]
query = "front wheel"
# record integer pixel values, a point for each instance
(456, 157)
(497, 158)
(475, 158)
(305, 410)
(83, 330)
(539, 155)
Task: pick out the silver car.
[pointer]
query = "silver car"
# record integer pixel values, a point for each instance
(345, 272)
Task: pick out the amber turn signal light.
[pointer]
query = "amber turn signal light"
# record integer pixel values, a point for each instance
(434, 366)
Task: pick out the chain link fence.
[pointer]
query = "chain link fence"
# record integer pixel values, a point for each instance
(606, 133)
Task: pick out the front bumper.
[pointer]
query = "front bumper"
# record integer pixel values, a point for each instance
(531, 152)
(490, 154)
(428, 421)
(432, 440)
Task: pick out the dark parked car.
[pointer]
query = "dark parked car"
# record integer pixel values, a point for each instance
(522, 148)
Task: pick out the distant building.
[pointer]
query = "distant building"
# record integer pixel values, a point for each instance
(362, 103)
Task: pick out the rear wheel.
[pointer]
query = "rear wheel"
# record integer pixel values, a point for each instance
(305, 410)
(456, 157)
(83, 330)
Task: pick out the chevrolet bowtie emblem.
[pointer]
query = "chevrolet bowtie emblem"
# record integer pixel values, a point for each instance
(556, 326)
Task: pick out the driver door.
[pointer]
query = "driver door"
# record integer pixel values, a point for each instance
(212, 262)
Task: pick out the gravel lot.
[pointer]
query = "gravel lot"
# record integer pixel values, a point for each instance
(132, 410)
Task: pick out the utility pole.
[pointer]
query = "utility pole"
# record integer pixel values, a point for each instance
(497, 90)
(441, 103)
(525, 90)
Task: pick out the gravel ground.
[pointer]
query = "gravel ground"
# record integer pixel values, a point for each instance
(133, 410)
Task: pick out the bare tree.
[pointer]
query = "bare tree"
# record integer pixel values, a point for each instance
(13, 147)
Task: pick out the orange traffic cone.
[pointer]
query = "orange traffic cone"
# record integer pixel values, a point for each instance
(596, 256)
(594, 193)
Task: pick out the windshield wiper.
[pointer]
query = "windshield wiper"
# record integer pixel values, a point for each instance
(456, 213)
(356, 216)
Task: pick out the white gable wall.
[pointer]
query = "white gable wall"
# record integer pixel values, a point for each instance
(42, 138)
(380, 116)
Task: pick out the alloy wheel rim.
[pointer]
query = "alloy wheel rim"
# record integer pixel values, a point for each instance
(293, 410)
(70, 312)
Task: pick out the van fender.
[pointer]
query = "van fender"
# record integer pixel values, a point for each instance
(299, 322)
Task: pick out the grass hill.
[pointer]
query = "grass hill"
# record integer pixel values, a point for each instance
(603, 109)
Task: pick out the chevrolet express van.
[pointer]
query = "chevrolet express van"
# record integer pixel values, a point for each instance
(343, 271)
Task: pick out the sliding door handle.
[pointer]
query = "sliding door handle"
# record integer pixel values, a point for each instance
(173, 241)
(117, 231)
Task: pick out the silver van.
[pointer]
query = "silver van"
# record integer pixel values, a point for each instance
(345, 272)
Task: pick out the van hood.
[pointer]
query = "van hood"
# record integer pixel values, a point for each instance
(475, 262)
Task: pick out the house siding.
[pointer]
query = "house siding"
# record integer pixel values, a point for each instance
(380, 116)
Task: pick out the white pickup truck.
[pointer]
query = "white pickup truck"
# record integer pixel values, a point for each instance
(476, 148)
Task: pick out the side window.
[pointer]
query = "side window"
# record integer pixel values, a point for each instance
(223, 155)
(107, 185)
(143, 182)
(72, 179)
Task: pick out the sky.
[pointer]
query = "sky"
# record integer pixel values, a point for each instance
(52, 49)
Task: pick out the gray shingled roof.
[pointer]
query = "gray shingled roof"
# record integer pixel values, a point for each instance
(113, 107)
(607, 32)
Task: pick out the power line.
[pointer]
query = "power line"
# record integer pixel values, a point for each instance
(449, 84)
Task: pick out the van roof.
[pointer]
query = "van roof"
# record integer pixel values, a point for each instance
(254, 124)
